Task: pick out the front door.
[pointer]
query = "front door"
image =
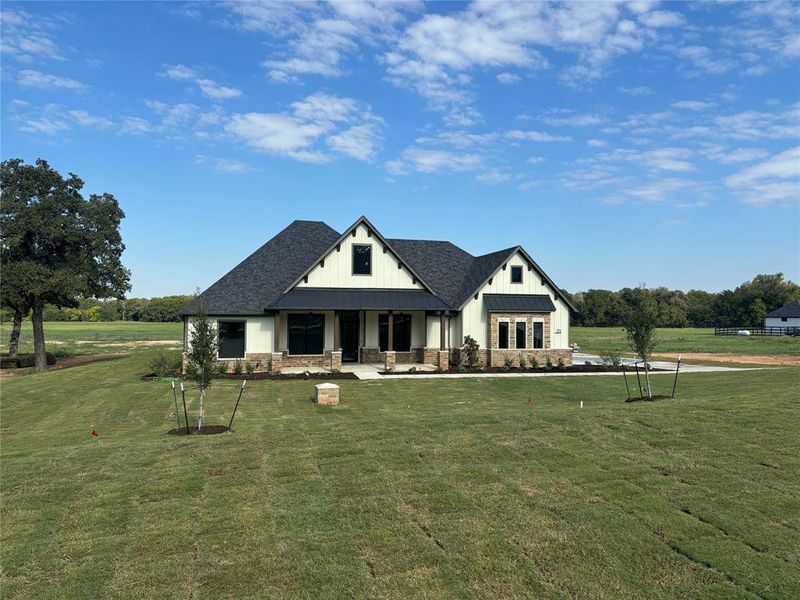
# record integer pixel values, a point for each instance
(349, 324)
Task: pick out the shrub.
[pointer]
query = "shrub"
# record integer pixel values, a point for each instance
(534, 363)
(611, 359)
(561, 364)
(462, 369)
(508, 362)
(202, 350)
(165, 362)
(222, 367)
(412, 370)
(249, 368)
(548, 362)
(523, 364)
(237, 367)
(471, 348)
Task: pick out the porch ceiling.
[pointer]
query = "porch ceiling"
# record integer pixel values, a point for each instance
(357, 299)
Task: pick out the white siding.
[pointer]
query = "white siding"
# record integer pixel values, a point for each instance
(338, 269)
(776, 322)
(257, 332)
(474, 319)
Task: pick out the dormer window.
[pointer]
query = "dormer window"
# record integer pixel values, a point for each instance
(516, 274)
(362, 259)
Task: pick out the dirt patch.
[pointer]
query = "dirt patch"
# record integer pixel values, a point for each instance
(137, 344)
(749, 359)
(65, 363)
(204, 430)
(648, 399)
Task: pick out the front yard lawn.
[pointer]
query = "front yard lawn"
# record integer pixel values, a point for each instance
(409, 488)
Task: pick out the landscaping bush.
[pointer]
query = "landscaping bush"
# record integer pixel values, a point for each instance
(165, 362)
(523, 364)
(548, 362)
(470, 351)
(561, 364)
(249, 368)
(534, 363)
(611, 359)
(237, 367)
(508, 362)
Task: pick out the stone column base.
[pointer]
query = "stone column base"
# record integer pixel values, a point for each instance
(326, 393)
(276, 362)
(336, 361)
(390, 360)
(443, 359)
(184, 363)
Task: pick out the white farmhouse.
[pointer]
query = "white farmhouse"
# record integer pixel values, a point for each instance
(785, 316)
(314, 297)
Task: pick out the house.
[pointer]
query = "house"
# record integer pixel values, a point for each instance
(314, 297)
(785, 316)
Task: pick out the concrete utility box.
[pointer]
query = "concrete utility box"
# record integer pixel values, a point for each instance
(327, 393)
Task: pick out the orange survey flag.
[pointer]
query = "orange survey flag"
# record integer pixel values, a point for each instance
(94, 432)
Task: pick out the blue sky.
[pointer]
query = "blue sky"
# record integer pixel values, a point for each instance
(620, 143)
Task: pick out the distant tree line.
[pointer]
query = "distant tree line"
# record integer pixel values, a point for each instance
(161, 309)
(747, 305)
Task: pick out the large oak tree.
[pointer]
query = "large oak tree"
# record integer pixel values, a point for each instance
(57, 246)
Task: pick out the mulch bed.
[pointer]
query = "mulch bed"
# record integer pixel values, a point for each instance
(646, 399)
(259, 376)
(204, 430)
(556, 370)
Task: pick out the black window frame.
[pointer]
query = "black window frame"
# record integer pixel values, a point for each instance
(399, 322)
(222, 346)
(369, 259)
(524, 332)
(538, 325)
(516, 269)
(305, 322)
(784, 319)
(501, 325)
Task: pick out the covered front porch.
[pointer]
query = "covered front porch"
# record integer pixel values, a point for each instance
(333, 328)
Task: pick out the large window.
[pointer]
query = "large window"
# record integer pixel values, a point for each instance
(401, 332)
(538, 335)
(502, 334)
(516, 274)
(362, 259)
(306, 334)
(231, 339)
(522, 333)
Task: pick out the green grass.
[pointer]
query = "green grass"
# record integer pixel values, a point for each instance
(75, 338)
(612, 339)
(407, 489)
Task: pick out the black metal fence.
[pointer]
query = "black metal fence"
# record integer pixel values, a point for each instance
(792, 331)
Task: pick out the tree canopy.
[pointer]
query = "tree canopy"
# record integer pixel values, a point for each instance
(62, 246)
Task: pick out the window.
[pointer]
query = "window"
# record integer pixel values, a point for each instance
(306, 334)
(538, 335)
(516, 274)
(784, 319)
(522, 333)
(401, 332)
(502, 334)
(362, 259)
(231, 339)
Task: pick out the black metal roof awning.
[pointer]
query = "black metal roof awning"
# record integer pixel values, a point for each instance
(357, 299)
(519, 303)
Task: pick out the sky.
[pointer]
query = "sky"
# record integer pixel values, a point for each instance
(620, 143)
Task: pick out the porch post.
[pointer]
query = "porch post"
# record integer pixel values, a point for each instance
(337, 343)
(390, 341)
(441, 331)
(276, 335)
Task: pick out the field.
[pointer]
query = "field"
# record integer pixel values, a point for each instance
(78, 338)
(407, 489)
(686, 340)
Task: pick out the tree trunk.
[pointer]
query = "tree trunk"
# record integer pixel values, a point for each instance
(38, 336)
(13, 342)
(647, 379)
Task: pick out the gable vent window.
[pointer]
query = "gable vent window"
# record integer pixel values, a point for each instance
(516, 274)
(231, 339)
(362, 259)
(502, 334)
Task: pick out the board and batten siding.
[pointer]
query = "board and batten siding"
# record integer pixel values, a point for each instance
(474, 317)
(257, 332)
(338, 269)
(776, 322)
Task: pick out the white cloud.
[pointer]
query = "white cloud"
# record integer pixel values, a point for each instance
(208, 87)
(346, 126)
(508, 78)
(573, 120)
(596, 143)
(45, 81)
(535, 160)
(54, 118)
(661, 18)
(640, 90)
(703, 59)
(433, 161)
(785, 165)
(223, 165)
(695, 105)
(535, 136)
(27, 38)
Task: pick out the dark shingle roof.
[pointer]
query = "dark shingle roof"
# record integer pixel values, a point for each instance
(262, 277)
(791, 310)
(260, 280)
(519, 303)
(302, 298)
